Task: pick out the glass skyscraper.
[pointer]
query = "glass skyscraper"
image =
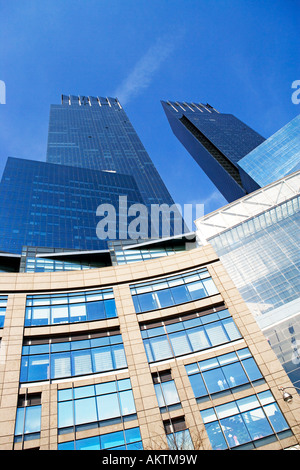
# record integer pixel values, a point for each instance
(275, 158)
(217, 142)
(257, 240)
(95, 133)
(55, 206)
(94, 157)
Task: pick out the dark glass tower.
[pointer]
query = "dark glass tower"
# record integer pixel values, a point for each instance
(94, 157)
(95, 133)
(217, 142)
(55, 206)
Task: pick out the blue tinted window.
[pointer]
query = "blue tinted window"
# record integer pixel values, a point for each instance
(66, 446)
(216, 436)
(215, 380)
(89, 443)
(92, 405)
(244, 422)
(85, 358)
(184, 337)
(132, 435)
(65, 414)
(69, 308)
(251, 369)
(166, 394)
(172, 291)
(28, 422)
(180, 294)
(198, 386)
(235, 430)
(3, 303)
(147, 302)
(225, 372)
(37, 367)
(111, 440)
(276, 418)
(234, 374)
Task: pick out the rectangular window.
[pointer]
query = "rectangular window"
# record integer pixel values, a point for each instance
(69, 308)
(166, 392)
(172, 290)
(28, 419)
(178, 436)
(72, 357)
(3, 304)
(247, 423)
(229, 372)
(127, 439)
(95, 405)
(187, 334)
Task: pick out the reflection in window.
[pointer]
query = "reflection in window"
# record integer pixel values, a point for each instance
(231, 371)
(51, 309)
(166, 392)
(95, 406)
(3, 304)
(187, 334)
(71, 357)
(142, 254)
(28, 419)
(178, 436)
(247, 423)
(172, 290)
(127, 439)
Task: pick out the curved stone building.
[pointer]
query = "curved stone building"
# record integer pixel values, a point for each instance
(160, 354)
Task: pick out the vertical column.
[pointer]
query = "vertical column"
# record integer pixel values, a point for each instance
(10, 362)
(48, 439)
(149, 417)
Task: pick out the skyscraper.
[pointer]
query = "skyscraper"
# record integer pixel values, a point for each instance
(94, 157)
(95, 133)
(257, 240)
(55, 206)
(275, 158)
(216, 141)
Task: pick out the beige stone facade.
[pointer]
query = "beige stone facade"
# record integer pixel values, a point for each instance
(149, 417)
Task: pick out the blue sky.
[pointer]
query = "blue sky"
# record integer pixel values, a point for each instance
(241, 56)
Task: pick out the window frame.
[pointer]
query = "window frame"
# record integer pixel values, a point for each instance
(216, 415)
(181, 281)
(70, 301)
(162, 333)
(48, 351)
(200, 370)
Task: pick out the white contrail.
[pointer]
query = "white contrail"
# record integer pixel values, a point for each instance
(141, 75)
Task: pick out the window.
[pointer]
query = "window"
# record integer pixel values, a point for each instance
(3, 304)
(127, 439)
(178, 436)
(133, 256)
(28, 419)
(247, 423)
(69, 357)
(95, 406)
(229, 372)
(166, 392)
(51, 309)
(186, 334)
(173, 290)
